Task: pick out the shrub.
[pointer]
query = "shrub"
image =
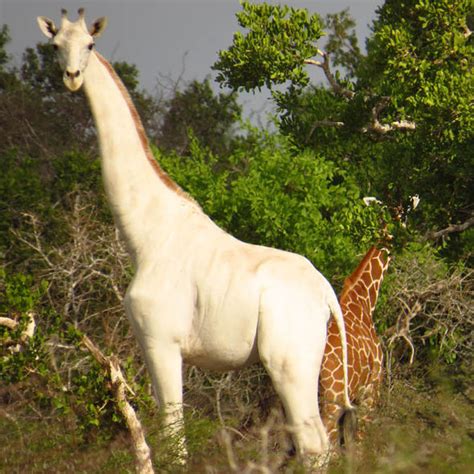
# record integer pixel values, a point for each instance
(427, 308)
(270, 193)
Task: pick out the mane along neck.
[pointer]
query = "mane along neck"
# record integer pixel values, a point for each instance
(363, 285)
(135, 184)
(140, 130)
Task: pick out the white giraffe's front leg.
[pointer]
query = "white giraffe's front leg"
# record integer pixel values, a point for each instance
(162, 354)
(164, 364)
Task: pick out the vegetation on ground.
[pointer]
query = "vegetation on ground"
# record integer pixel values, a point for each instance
(391, 123)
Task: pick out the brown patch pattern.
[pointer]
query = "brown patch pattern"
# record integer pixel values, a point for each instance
(364, 353)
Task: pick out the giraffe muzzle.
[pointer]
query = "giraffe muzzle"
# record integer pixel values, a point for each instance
(73, 80)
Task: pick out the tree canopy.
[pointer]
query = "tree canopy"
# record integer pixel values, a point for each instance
(398, 117)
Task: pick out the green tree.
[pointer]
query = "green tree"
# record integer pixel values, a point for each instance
(342, 43)
(8, 76)
(274, 194)
(4, 38)
(420, 57)
(273, 51)
(399, 120)
(210, 117)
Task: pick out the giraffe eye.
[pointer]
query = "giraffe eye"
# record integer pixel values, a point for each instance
(91, 46)
(56, 47)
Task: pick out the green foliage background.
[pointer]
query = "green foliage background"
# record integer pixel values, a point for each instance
(298, 188)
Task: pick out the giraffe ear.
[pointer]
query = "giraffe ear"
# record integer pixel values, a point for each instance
(98, 26)
(47, 26)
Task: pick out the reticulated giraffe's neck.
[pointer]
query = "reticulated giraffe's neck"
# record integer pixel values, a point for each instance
(362, 287)
(133, 180)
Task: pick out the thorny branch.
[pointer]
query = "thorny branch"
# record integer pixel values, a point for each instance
(402, 328)
(425, 308)
(78, 270)
(91, 267)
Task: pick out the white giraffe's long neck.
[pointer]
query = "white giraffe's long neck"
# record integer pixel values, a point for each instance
(133, 181)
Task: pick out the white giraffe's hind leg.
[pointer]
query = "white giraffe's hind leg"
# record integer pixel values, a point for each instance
(293, 361)
(297, 392)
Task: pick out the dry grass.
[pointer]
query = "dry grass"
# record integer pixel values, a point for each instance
(428, 311)
(234, 421)
(424, 424)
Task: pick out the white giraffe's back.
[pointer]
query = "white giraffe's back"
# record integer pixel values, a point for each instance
(225, 284)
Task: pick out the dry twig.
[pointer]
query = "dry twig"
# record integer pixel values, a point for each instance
(26, 334)
(120, 387)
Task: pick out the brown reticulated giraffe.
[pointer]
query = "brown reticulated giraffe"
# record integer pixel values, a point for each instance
(357, 300)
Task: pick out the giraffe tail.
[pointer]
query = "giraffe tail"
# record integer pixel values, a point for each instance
(347, 427)
(347, 422)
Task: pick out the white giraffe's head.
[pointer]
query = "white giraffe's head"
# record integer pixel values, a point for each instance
(73, 42)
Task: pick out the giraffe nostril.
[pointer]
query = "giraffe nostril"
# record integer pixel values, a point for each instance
(73, 74)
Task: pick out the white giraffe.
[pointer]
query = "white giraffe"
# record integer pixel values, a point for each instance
(199, 295)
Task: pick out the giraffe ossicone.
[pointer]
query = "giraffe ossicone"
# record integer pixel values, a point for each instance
(198, 294)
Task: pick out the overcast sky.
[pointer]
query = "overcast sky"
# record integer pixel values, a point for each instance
(161, 37)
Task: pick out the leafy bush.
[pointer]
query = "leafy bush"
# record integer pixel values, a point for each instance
(20, 352)
(32, 190)
(79, 291)
(273, 194)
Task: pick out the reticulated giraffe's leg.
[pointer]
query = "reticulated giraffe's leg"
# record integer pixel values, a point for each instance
(330, 412)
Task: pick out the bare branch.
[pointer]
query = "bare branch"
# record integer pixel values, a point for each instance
(26, 334)
(112, 366)
(112, 282)
(8, 322)
(324, 123)
(328, 123)
(29, 331)
(325, 66)
(96, 352)
(37, 244)
(451, 229)
(375, 126)
(382, 129)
